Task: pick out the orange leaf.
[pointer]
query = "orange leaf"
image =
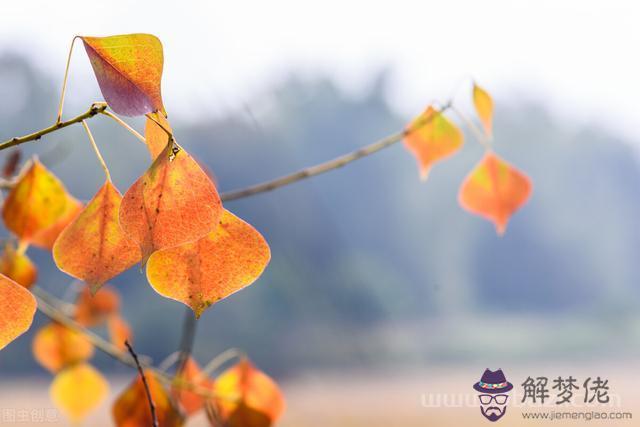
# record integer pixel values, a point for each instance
(18, 267)
(131, 408)
(172, 203)
(129, 71)
(78, 390)
(55, 347)
(93, 310)
(93, 247)
(432, 137)
(203, 272)
(494, 190)
(484, 107)
(47, 237)
(35, 203)
(18, 309)
(254, 398)
(157, 138)
(189, 401)
(119, 331)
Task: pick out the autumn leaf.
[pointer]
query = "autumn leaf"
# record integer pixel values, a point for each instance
(494, 190)
(93, 248)
(17, 266)
(131, 408)
(157, 138)
(172, 203)
(258, 400)
(129, 71)
(189, 401)
(119, 331)
(93, 310)
(18, 308)
(484, 107)
(55, 347)
(203, 272)
(35, 203)
(432, 137)
(46, 238)
(78, 390)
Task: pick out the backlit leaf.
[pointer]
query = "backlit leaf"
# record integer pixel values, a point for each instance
(93, 310)
(131, 408)
(203, 272)
(35, 203)
(172, 203)
(119, 331)
(17, 266)
(157, 138)
(484, 107)
(432, 137)
(189, 401)
(93, 248)
(46, 238)
(18, 309)
(55, 347)
(494, 190)
(258, 400)
(78, 390)
(129, 71)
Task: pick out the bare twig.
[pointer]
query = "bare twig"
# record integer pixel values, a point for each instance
(96, 108)
(152, 405)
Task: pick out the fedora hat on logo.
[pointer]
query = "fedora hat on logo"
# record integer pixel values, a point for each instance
(493, 382)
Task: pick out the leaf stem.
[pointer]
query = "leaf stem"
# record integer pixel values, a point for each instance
(124, 125)
(477, 133)
(64, 81)
(97, 150)
(221, 359)
(152, 405)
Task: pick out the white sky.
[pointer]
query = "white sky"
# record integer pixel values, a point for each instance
(580, 56)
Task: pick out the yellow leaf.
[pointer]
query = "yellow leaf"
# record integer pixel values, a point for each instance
(78, 390)
(18, 267)
(484, 107)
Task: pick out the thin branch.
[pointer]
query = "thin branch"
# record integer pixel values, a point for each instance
(97, 150)
(124, 125)
(221, 359)
(96, 108)
(64, 81)
(318, 169)
(152, 405)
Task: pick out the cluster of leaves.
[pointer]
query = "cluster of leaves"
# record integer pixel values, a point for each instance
(171, 220)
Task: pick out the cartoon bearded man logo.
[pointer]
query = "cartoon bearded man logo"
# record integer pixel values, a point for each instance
(493, 389)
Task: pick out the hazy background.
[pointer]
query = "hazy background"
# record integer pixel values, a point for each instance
(373, 272)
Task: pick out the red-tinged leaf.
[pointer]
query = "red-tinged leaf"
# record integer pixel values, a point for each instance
(432, 137)
(172, 203)
(484, 107)
(129, 71)
(253, 398)
(94, 310)
(191, 402)
(17, 266)
(18, 309)
(93, 248)
(47, 237)
(203, 272)
(495, 190)
(119, 331)
(35, 203)
(55, 347)
(131, 408)
(156, 136)
(78, 390)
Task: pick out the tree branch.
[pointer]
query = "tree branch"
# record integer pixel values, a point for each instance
(96, 108)
(152, 405)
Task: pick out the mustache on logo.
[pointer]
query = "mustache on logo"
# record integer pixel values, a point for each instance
(493, 409)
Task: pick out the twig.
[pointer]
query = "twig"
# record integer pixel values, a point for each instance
(322, 167)
(97, 150)
(96, 108)
(124, 125)
(64, 81)
(152, 406)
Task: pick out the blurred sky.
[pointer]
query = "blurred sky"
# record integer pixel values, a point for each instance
(579, 56)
